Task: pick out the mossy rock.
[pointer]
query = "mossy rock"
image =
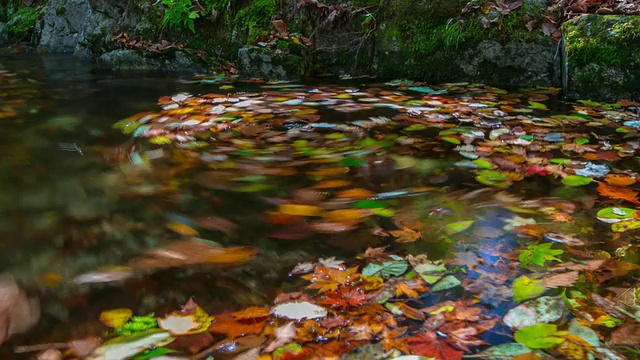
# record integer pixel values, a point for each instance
(603, 57)
(259, 62)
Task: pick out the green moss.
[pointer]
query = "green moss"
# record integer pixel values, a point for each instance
(22, 23)
(603, 40)
(254, 19)
(293, 48)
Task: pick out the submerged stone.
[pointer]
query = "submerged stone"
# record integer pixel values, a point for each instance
(603, 57)
(546, 309)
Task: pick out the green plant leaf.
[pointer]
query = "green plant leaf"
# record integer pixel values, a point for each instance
(459, 226)
(540, 336)
(386, 269)
(577, 180)
(525, 288)
(447, 282)
(539, 254)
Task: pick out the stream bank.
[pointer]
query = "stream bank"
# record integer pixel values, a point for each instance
(508, 43)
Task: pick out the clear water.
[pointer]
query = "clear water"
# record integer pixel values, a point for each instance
(70, 203)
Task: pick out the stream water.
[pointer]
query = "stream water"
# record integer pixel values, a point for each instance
(78, 199)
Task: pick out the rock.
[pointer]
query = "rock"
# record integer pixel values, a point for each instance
(546, 309)
(603, 57)
(3, 33)
(514, 63)
(136, 60)
(259, 62)
(445, 48)
(85, 27)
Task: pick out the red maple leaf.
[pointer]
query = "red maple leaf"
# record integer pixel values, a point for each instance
(428, 344)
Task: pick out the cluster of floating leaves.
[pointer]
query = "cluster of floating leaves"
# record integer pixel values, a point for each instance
(471, 146)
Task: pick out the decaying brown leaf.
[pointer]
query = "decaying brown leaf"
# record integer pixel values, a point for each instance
(18, 313)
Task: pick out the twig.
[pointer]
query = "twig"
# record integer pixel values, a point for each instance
(39, 347)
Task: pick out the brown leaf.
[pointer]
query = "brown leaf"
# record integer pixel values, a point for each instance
(548, 28)
(18, 313)
(284, 335)
(84, 347)
(50, 354)
(192, 252)
(283, 29)
(561, 280)
(532, 24)
(589, 265)
(628, 334)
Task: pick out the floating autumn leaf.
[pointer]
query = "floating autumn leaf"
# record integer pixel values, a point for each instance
(561, 280)
(300, 210)
(226, 324)
(616, 214)
(192, 252)
(405, 235)
(179, 324)
(357, 193)
(525, 288)
(567, 239)
(540, 336)
(618, 192)
(577, 180)
(459, 226)
(620, 180)
(428, 344)
(299, 311)
(18, 313)
(283, 335)
(126, 346)
(116, 317)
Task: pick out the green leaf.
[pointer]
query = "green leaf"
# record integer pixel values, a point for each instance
(525, 288)
(430, 271)
(540, 336)
(623, 226)
(422, 89)
(615, 214)
(370, 204)
(577, 180)
(415, 127)
(539, 254)
(581, 141)
(451, 140)
(387, 268)
(447, 282)
(537, 105)
(483, 164)
(150, 354)
(459, 226)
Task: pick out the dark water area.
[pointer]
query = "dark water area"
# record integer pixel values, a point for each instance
(76, 199)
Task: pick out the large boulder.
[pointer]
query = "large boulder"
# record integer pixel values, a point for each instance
(85, 27)
(137, 60)
(256, 61)
(603, 57)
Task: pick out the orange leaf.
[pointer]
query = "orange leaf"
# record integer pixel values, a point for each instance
(617, 192)
(227, 325)
(251, 313)
(357, 193)
(300, 210)
(330, 184)
(620, 180)
(405, 235)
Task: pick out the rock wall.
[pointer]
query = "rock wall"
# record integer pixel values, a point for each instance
(429, 40)
(603, 57)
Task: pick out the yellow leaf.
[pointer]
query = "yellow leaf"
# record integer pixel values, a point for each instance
(330, 184)
(300, 210)
(182, 229)
(116, 317)
(357, 193)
